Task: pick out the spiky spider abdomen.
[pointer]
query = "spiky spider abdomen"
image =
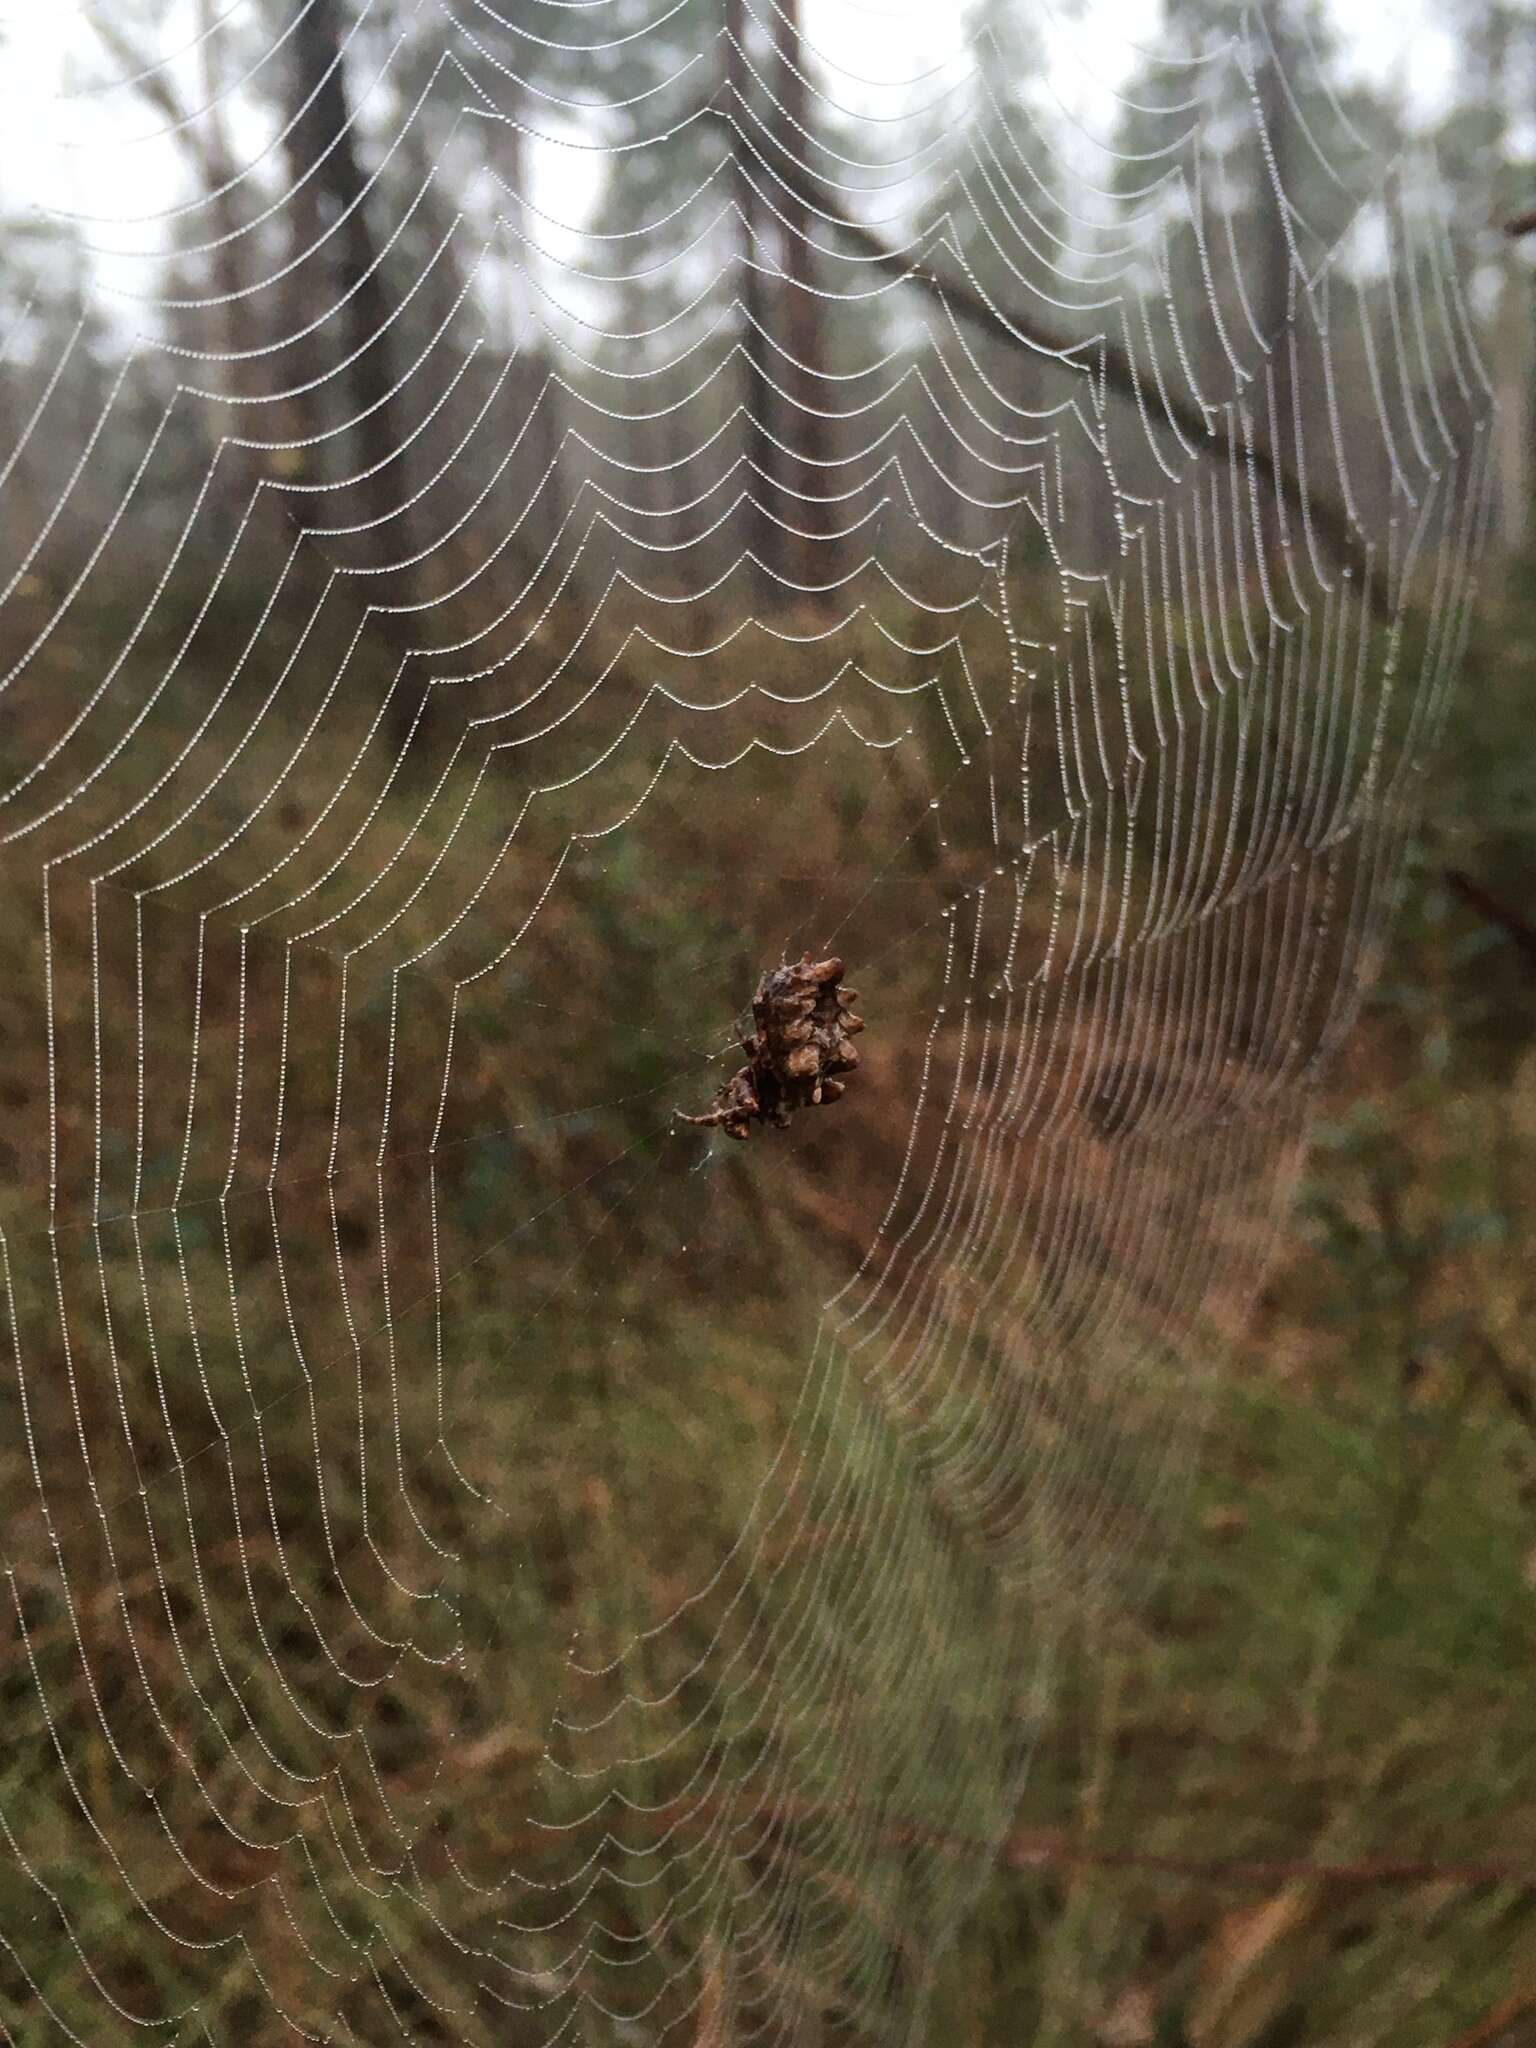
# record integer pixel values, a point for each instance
(805, 1028)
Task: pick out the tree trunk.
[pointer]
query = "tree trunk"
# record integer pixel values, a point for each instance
(321, 147)
(804, 336)
(1496, 66)
(760, 536)
(1273, 302)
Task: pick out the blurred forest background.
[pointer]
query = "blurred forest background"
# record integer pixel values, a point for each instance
(1289, 1797)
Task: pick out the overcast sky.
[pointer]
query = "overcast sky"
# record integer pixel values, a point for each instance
(86, 154)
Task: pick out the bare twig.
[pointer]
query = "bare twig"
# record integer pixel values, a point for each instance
(1058, 1849)
(1493, 2029)
(1511, 922)
(1099, 354)
(1518, 1395)
(1048, 1850)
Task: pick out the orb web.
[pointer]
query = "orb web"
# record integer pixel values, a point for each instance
(515, 523)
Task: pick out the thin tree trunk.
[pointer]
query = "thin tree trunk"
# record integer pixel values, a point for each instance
(759, 534)
(534, 380)
(321, 141)
(322, 147)
(231, 325)
(1513, 360)
(1273, 298)
(807, 429)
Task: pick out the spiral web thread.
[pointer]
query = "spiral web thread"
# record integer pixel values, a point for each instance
(390, 839)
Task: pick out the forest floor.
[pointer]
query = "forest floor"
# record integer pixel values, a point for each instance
(1287, 1796)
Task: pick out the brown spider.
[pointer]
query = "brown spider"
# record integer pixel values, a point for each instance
(804, 1037)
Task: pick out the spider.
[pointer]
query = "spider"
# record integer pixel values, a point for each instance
(804, 1038)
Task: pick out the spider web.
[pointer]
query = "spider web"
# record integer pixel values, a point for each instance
(485, 1561)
